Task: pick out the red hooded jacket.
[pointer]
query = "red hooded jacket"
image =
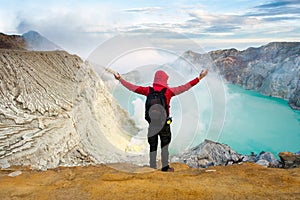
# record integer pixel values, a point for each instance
(160, 82)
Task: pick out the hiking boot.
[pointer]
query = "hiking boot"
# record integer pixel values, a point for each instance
(170, 169)
(167, 169)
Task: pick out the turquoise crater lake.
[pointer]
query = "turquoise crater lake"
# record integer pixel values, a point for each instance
(255, 122)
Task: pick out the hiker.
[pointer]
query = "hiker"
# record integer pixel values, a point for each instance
(159, 121)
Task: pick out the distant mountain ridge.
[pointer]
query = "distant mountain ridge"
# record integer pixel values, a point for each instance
(37, 42)
(272, 69)
(31, 40)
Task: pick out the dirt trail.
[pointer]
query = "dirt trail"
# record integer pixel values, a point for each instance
(246, 181)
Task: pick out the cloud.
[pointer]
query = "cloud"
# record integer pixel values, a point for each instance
(142, 10)
(283, 18)
(81, 27)
(258, 21)
(142, 57)
(24, 26)
(222, 28)
(78, 29)
(204, 17)
(275, 8)
(274, 4)
(216, 24)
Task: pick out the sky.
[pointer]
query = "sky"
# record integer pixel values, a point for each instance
(80, 26)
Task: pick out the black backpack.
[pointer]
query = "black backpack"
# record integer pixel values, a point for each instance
(156, 107)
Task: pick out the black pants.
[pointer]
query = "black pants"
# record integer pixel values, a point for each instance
(165, 139)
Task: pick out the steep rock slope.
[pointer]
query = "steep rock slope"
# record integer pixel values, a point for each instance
(272, 69)
(12, 42)
(54, 110)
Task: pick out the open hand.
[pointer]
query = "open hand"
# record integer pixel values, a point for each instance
(203, 74)
(117, 76)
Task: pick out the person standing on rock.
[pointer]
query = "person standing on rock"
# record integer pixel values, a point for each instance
(157, 111)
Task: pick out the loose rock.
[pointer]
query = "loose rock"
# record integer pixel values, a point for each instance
(15, 173)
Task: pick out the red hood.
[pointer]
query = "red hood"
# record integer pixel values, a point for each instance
(160, 78)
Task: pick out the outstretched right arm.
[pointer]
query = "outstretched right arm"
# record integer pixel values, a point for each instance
(134, 88)
(180, 89)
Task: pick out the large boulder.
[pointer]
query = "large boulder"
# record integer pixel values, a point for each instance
(289, 160)
(208, 153)
(267, 159)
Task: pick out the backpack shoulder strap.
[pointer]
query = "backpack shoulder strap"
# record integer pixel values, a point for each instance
(151, 90)
(163, 91)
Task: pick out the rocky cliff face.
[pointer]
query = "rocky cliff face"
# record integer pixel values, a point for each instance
(272, 70)
(54, 110)
(12, 42)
